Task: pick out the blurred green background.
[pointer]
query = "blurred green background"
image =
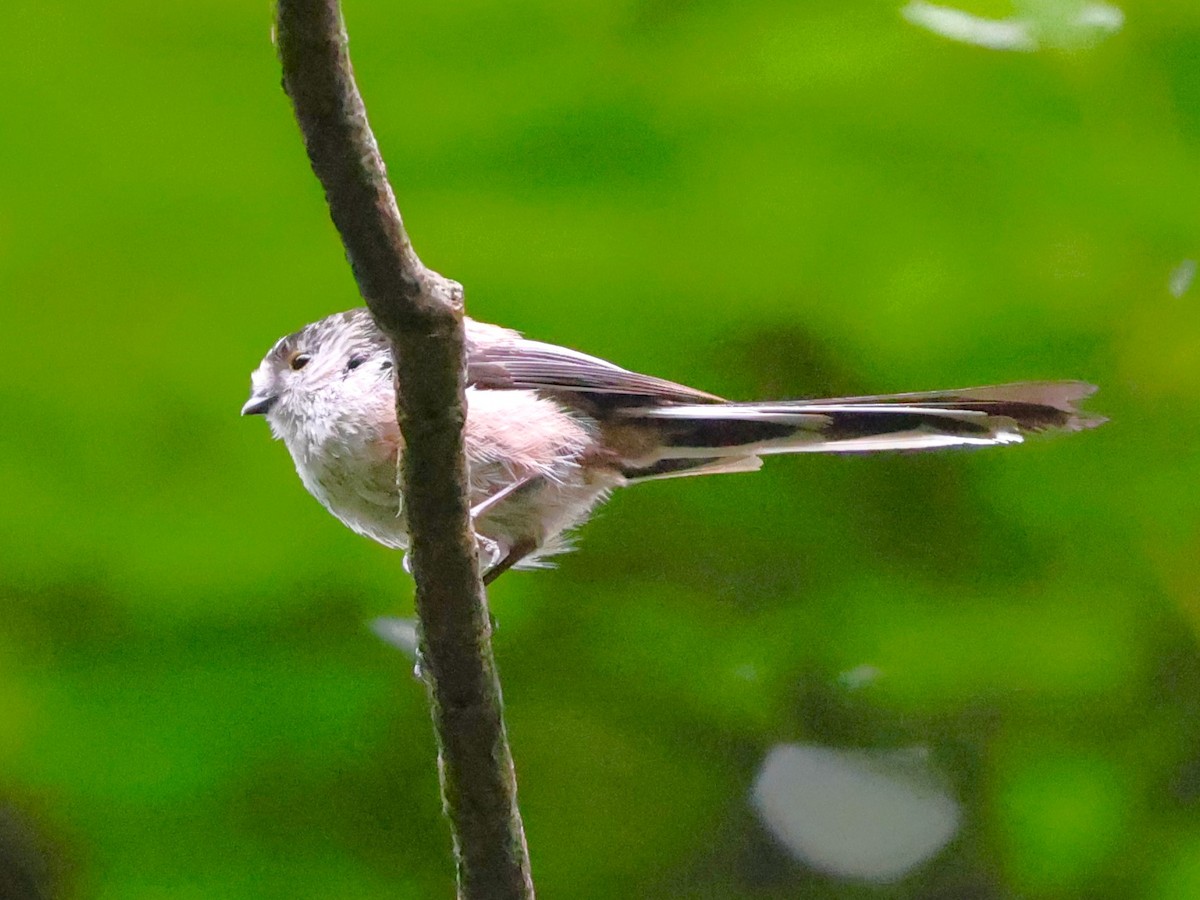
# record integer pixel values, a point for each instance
(760, 198)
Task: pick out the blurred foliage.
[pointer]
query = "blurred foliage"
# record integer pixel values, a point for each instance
(763, 199)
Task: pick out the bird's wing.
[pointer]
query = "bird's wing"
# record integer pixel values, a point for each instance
(510, 362)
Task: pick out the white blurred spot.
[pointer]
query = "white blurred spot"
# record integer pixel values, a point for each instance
(995, 34)
(1101, 17)
(1057, 23)
(858, 677)
(867, 815)
(1182, 277)
(400, 633)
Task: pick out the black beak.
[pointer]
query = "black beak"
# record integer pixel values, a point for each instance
(258, 405)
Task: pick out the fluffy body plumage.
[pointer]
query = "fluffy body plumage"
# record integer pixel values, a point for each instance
(550, 431)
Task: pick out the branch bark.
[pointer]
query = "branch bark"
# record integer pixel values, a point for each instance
(422, 313)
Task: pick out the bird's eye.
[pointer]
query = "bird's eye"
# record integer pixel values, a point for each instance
(355, 362)
(299, 361)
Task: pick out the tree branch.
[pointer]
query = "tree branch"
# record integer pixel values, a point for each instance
(422, 313)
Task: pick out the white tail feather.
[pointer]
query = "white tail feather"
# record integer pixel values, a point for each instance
(904, 440)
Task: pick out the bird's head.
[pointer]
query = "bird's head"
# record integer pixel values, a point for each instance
(321, 374)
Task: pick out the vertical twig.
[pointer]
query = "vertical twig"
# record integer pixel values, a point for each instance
(421, 312)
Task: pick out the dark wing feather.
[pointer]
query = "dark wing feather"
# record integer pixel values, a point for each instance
(514, 363)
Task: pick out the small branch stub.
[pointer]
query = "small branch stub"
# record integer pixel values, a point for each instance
(421, 311)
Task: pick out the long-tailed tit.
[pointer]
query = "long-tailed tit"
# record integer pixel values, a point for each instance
(550, 432)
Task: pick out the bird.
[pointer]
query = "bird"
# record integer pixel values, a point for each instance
(550, 432)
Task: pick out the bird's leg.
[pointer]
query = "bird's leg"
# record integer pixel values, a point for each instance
(488, 503)
(519, 551)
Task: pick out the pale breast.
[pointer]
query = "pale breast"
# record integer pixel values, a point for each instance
(352, 471)
(511, 437)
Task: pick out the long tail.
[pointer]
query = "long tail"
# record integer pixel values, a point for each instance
(700, 438)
